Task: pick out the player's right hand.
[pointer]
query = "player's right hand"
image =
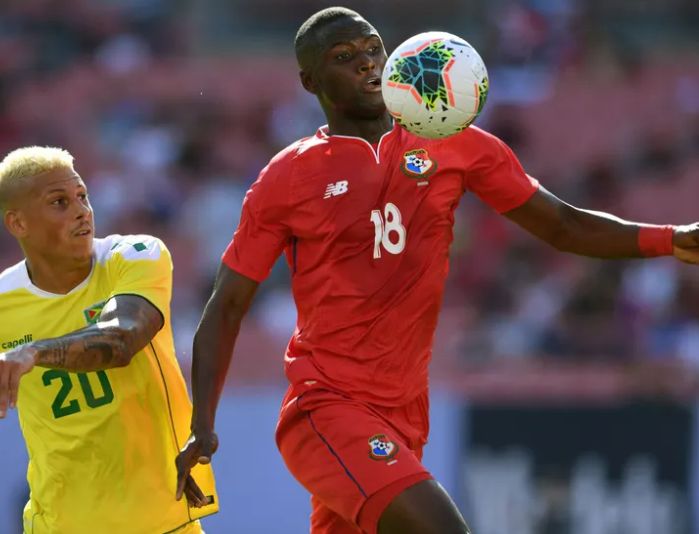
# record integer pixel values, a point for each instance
(198, 449)
(685, 241)
(14, 364)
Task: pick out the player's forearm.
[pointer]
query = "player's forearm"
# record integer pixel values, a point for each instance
(214, 341)
(602, 235)
(589, 233)
(212, 353)
(99, 346)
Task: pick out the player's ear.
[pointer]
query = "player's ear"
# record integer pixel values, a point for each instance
(308, 82)
(15, 223)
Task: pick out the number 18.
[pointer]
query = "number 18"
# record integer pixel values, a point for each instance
(383, 232)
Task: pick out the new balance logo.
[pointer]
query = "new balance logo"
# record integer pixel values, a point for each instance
(336, 189)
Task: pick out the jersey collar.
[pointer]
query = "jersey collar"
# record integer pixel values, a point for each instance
(322, 133)
(29, 285)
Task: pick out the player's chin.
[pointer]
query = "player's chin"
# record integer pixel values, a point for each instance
(370, 109)
(83, 251)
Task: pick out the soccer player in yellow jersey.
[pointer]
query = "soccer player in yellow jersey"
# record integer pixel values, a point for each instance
(87, 357)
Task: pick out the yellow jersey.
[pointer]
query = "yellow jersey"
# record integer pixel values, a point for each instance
(102, 445)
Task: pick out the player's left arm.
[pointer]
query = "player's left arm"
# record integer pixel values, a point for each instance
(126, 325)
(602, 235)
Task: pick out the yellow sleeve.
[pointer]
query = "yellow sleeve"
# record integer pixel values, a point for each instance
(142, 265)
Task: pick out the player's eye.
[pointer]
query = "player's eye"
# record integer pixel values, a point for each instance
(342, 56)
(58, 201)
(374, 49)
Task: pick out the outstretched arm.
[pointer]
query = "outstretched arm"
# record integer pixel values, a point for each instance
(213, 343)
(213, 349)
(601, 235)
(126, 325)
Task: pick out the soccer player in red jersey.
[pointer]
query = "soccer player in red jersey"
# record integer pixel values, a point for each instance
(363, 211)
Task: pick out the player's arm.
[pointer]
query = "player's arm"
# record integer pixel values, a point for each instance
(126, 325)
(258, 241)
(212, 352)
(601, 235)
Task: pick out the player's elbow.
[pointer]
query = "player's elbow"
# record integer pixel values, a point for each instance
(562, 240)
(126, 342)
(565, 235)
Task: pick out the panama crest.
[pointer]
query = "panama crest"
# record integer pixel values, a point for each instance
(417, 164)
(381, 448)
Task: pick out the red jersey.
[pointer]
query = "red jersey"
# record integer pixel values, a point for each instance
(366, 232)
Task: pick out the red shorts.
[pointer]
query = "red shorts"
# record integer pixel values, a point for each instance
(353, 457)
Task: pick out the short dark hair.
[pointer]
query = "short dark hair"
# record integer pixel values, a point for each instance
(305, 40)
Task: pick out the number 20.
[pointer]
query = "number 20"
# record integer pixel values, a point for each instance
(60, 407)
(383, 232)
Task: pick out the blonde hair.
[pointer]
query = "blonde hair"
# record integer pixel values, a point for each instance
(27, 162)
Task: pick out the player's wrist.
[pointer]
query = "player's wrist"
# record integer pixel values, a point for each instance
(35, 353)
(26, 354)
(656, 240)
(202, 429)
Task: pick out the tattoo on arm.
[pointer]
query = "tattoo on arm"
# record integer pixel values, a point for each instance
(104, 351)
(56, 354)
(126, 325)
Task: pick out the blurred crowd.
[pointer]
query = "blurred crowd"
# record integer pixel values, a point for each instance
(171, 108)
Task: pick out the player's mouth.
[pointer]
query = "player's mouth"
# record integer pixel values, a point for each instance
(83, 231)
(372, 84)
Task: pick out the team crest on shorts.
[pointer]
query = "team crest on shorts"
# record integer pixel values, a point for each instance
(417, 164)
(381, 448)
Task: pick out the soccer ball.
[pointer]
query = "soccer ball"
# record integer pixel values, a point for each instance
(434, 84)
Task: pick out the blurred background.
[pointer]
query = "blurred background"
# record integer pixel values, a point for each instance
(564, 389)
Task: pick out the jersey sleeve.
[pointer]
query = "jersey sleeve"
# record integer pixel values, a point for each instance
(141, 265)
(263, 230)
(497, 176)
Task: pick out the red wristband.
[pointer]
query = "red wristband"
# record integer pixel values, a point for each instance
(656, 240)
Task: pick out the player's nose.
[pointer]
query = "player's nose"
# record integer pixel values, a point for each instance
(83, 210)
(366, 63)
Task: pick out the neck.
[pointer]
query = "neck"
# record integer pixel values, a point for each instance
(58, 277)
(371, 129)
